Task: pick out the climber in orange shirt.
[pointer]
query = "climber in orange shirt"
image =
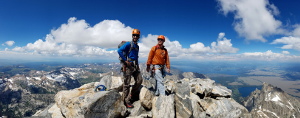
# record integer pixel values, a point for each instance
(159, 58)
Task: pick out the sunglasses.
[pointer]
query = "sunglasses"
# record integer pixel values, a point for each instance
(136, 35)
(160, 40)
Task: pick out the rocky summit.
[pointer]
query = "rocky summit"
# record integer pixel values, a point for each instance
(193, 96)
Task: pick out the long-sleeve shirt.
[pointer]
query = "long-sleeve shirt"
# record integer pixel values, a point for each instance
(133, 54)
(158, 56)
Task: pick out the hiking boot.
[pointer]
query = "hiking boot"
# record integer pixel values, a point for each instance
(134, 98)
(129, 105)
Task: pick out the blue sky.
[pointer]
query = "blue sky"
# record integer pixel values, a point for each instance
(195, 29)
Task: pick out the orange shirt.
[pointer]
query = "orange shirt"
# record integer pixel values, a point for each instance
(158, 56)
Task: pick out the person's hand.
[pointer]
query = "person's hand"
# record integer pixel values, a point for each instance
(128, 63)
(168, 70)
(148, 68)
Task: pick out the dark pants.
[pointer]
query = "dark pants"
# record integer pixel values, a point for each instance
(131, 71)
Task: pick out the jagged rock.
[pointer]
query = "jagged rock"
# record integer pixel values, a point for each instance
(116, 83)
(170, 86)
(208, 87)
(215, 100)
(272, 102)
(198, 111)
(45, 113)
(111, 82)
(182, 100)
(223, 108)
(146, 97)
(84, 102)
(55, 112)
(148, 82)
(138, 110)
(52, 111)
(105, 80)
(163, 107)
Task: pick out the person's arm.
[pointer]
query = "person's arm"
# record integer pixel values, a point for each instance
(150, 57)
(121, 50)
(167, 62)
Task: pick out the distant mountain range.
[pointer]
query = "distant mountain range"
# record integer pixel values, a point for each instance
(24, 90)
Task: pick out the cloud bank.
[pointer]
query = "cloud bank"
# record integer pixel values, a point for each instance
(77, 38)
(269, 56)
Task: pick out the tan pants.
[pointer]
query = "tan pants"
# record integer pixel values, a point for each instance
(131, 71)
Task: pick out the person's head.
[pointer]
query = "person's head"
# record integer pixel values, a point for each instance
(135, 35)
(161, 39)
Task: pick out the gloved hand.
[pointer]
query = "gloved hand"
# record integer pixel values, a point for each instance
(168, 70)
(128, 63)
(148, 68)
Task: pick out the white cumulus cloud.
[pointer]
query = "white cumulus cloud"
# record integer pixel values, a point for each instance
(199, 48)
(78, 38)
(285, 52)
(9, 43)
(223, 45)
(289, 42)
(103, 34)
(254, 19)
(296, 31)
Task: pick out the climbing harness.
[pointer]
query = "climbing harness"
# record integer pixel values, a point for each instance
(161, 68)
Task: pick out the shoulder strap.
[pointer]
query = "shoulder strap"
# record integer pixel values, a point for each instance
(156, 47)
(131, 46)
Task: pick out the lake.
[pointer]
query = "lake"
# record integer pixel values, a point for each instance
(245, 91)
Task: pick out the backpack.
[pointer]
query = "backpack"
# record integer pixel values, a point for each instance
(125, 53)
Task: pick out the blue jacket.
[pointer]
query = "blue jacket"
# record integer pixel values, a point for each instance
(132, 55)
